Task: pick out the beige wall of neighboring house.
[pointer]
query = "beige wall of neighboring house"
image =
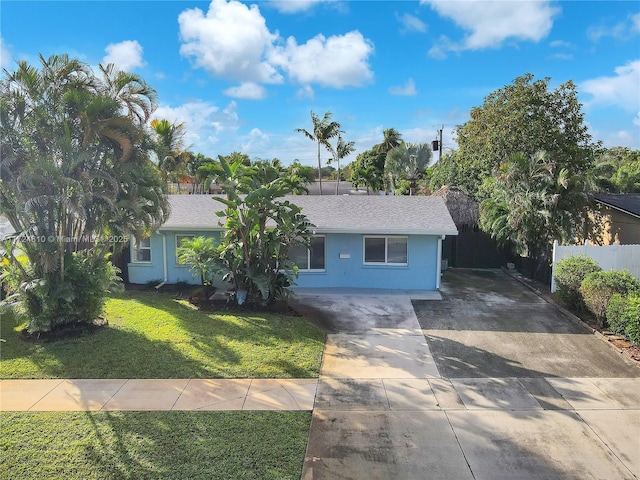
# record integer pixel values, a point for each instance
(615, 226)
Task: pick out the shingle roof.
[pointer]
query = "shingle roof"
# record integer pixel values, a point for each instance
(627, 202)
(374, 214)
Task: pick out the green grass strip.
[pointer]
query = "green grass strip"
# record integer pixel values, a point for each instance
(153, 445)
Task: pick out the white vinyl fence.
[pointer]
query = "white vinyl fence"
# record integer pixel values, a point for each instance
(609, 257)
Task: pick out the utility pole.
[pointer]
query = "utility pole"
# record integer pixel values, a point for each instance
(436, 145)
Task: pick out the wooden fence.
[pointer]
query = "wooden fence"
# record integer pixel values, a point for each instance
(609, 257)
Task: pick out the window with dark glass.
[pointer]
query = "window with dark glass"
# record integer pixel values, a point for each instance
(312, 258)
(385, 250)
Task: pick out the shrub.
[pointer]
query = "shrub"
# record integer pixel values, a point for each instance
(598, 287)
(632, 319)
(569, 275)
(616, 313)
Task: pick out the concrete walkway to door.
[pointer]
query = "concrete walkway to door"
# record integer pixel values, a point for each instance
(392, 403)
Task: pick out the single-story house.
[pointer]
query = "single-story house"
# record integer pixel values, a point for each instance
(618, 219)
(365, 241)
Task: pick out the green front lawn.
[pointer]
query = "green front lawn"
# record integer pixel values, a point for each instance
(153, 445)
(153, 335)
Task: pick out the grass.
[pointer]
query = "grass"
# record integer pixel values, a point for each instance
(153, 335)
(153, 445)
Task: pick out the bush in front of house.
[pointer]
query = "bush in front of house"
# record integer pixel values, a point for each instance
(569, 275)
(598, 287)
(623, 315)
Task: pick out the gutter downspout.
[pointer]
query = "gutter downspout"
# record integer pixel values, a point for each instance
(165, 270)
(439, 262)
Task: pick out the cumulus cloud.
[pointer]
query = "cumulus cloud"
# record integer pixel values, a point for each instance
(408, 89)
(411, 23)
(255, 142)
(489, 24)
(620, 90)
(231, 40)
(337, 61)
(247, 91)
(126, 55)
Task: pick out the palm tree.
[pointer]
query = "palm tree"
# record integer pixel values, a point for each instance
(392, 139)
(407, 162)
(169, 147)
(342, 150)
(323, 131)
(75, 171)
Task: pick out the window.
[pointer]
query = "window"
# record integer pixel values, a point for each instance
(141, 250)
(308, 259)
(179, 239)
(385, 251)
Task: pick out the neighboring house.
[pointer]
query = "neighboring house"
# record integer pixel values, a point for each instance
(366, 241)
(619, 219)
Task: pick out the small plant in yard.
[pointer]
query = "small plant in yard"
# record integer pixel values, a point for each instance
(623, 315)
(598, 287)
(200, 255)
(569, 275)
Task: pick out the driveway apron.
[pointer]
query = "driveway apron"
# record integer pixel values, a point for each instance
(503, 387)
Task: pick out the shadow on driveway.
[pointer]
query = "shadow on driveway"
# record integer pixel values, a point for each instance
(489, 325)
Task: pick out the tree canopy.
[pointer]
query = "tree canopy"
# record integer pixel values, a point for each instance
(75, 180)
(525, 117)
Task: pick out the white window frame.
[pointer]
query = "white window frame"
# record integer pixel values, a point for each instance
(386, 250)
(135, 248)
(178, 244)
(324, 243)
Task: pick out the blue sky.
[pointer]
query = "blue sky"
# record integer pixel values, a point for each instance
(242, 76)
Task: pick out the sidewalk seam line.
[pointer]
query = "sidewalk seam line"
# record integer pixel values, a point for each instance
(51, 390)
(459, 444)
(126, 380)
(180, 394)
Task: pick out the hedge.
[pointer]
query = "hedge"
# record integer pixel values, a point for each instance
(569, 275)
(598, 287)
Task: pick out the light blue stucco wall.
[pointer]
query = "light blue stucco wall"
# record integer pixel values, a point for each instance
(419, 274)
(141, 273)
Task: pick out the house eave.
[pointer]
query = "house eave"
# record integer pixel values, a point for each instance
(388, 231)
(614, 207)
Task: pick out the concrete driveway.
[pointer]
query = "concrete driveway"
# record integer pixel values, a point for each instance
(503, 387)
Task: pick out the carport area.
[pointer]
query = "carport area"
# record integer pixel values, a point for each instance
(490, 382)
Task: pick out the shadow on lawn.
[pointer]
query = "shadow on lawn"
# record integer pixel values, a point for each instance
(212, 445)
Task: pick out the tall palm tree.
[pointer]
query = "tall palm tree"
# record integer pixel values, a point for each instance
(342, 150)
(169, 147)
(75, 171)
(323, 130)
(392, 139)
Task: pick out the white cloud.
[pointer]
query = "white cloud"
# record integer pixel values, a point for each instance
(5, 54)
(305, 92)
(126, 55)
(489, 24)
(203, 122)
(247, 91)
(256, 142)
(231, 41)
(337, 61)
(624, 30)
(411, 23)
(408, 89)
(620, 90)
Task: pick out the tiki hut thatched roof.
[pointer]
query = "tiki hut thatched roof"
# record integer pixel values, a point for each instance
(463, 209)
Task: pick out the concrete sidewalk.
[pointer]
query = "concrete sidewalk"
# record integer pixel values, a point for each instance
(157, 394)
